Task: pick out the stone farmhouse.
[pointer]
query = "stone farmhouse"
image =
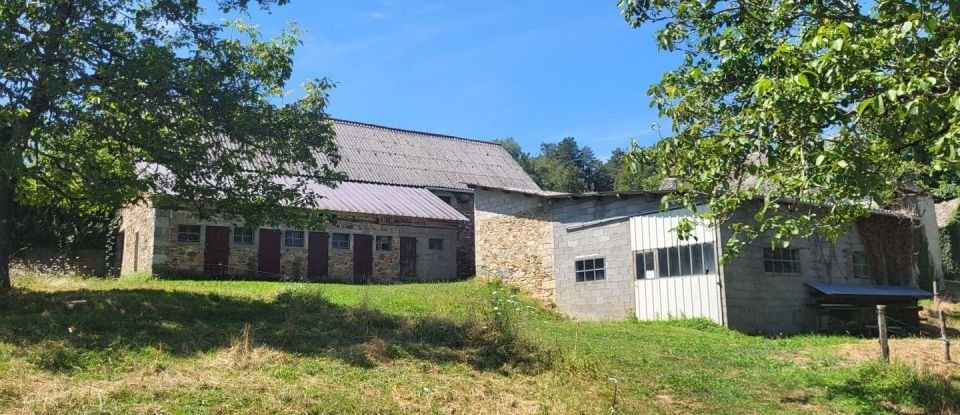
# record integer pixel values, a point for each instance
(405, 213)
(612, 255)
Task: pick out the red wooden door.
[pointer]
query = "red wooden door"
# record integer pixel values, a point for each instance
(362, 258)
(268, 256)
(318, 255)
(216, 250)
(408, 257)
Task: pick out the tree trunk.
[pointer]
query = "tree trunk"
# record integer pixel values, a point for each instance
(6, 230)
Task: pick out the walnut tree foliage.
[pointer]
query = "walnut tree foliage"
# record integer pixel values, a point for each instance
(105, 101)
(813, 107)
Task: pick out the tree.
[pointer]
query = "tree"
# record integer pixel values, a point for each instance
(813, 107)
(642, 175)
(105, 101)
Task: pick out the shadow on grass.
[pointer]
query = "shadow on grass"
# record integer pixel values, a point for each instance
(93, 324)
(890, 388)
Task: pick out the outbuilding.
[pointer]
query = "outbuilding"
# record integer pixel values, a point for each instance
(612, 255)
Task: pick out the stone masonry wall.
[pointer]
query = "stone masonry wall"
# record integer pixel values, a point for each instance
(175, 257)
(514, 241)
(137, 227)
(465, 247)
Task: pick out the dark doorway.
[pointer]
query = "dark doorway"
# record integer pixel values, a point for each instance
(216, 251)
(269, 253)
(318, 255)
(408, 258)
(362, 258)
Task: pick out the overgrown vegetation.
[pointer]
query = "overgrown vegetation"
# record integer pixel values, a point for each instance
(143, 345)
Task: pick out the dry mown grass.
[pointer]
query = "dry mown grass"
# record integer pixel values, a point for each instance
(96, 346)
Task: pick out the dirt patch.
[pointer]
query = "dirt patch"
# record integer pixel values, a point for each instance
(923, 354)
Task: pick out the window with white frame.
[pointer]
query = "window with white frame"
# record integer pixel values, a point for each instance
(340, 240)
(861, 265)
(293, 238)
(590, 269)
(384, 243)
(242, 236)
(686, 260)
(188, 233)
(781, 260)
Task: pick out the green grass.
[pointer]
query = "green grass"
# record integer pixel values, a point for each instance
(142, 345)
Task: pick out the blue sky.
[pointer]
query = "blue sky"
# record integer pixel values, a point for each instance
(535, 70)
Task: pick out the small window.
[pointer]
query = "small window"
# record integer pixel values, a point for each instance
(781, 261)
(435, 244)
(188, 233)
(293, 238)
(682, 261)
(645, 264)
(590, 270)
(861, 265)
(446, 199)
(340, 240)
(242, 236)
(384, 243)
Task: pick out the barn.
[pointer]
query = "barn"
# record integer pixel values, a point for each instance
(613, 255)
(404, 213)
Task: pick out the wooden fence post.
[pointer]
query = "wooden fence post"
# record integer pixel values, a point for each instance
(882, 328)
(943, 323)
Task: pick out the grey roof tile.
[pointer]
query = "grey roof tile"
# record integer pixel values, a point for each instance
(377, 154)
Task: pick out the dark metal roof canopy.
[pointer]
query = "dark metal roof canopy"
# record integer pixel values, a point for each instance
(852, 290)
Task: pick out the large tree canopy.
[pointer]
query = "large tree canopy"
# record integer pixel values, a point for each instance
(829, 102)
(103, 101)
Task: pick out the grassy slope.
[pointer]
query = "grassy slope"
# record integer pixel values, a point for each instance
(71, 345)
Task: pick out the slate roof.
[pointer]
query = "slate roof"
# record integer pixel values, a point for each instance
(377, 154)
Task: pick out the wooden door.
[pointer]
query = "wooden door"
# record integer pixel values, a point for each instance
(268, 256)
(362, 258)
(318, 255)
(216, 251)
(408, 257)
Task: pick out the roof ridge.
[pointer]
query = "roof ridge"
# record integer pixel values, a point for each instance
(404, 130)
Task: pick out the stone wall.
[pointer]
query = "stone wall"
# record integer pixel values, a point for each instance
(514, 240)
(137, 230)
(578, 235)
(186, 258)
(465, 247)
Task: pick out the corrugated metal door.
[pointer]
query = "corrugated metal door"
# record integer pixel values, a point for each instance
(268, 256)
(318, 255)
(216, 250)
(408, 257)
(362, 258)
(676, 278)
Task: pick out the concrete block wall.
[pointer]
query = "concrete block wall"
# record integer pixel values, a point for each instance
(615, 296)
(766, 303)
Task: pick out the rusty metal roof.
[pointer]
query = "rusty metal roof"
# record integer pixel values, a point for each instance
(376, 154)
(379, 199)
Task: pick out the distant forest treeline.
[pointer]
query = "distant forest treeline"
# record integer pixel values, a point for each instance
(567, 167)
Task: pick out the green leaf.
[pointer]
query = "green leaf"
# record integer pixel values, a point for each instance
(820, 159)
